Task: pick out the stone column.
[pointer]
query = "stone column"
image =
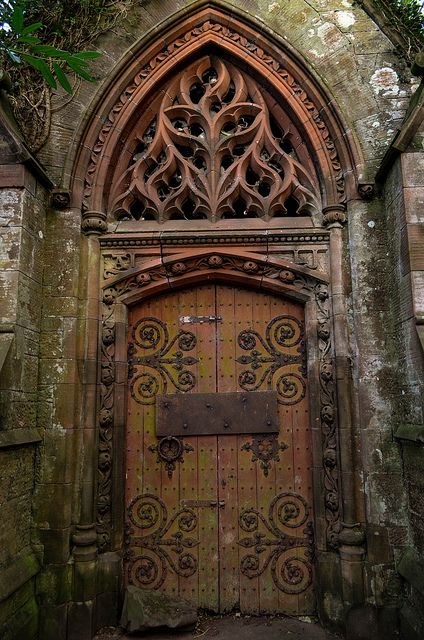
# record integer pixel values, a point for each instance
(81, 623)
(352, 536)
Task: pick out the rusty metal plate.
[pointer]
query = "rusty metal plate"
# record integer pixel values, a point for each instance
(216, 413)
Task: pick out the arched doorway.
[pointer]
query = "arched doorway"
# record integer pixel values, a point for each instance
(223, 163)
(218, 451)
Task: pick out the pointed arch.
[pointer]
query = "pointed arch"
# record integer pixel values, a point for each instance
(283, 77)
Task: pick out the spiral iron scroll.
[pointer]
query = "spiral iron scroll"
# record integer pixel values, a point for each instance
(155, 360)
(151, 550)
(289, 558)
(283, 346)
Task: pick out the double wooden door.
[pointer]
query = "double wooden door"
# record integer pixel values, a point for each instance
(222, 520)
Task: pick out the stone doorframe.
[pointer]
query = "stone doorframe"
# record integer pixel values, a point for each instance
(109, 264)
(135, 268)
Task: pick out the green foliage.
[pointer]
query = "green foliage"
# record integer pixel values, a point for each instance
(21, 43)
(411, 13)
(404, 18)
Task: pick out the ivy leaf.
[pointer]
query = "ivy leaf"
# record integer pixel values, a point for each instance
(49, 51)
(78, 70)
(61, 76)
(31, 28)
(29, 40)
(16, 19)
(41, 66)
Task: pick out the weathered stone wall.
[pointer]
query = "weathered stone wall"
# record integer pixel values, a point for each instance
(22, 228)
(404, 197)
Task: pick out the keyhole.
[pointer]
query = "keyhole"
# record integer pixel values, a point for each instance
(223, 483)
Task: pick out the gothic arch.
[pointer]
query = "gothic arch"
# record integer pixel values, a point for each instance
(318, 132)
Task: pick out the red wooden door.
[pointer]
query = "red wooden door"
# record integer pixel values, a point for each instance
(221, 520)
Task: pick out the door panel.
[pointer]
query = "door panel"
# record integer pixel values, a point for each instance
(221, 520)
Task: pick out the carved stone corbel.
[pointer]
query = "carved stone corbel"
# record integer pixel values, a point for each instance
(334, 215)
(93, 223)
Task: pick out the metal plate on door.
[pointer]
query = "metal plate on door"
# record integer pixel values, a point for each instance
(216, 413)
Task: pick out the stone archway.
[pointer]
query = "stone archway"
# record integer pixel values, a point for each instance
(177, 200)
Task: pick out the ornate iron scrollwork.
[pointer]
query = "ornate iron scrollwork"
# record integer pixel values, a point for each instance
(170, 450)
(265, 448)
(291, 572)
(152, 554)
(152, 361)
(284, 345)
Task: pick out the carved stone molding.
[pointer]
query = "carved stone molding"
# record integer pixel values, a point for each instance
(182, 238)
(257, 271)
(60, 198)
(334, 215)
(366, 190)
(93, 223)
(250, 50)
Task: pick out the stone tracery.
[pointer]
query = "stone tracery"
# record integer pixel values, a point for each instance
(213, 151)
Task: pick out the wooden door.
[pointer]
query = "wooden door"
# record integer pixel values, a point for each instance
(223, 521)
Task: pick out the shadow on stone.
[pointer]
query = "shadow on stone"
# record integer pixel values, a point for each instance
(145, 609)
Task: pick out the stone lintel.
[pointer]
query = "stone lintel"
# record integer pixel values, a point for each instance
(22, 569)
(19, 438)
(411, 432)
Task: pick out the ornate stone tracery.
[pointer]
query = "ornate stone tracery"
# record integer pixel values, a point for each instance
(213, 151)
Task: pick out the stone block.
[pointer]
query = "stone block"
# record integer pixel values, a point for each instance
(54, 584)
(146, 609)
(56, 543)
(53, 506)
(53, 622)
(414, 204)
(23, 625)
(413, 169)
(80, 621)
(107, 610)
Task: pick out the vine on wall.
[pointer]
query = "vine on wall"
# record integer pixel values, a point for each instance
(67, 26)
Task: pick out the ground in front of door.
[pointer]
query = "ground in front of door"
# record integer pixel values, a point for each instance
(235, 627)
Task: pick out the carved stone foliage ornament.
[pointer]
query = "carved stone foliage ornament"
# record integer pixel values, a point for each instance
(213, 151)
(269, 357)
(271, 547)
(158, 543)
(170, 363)
(165, 167)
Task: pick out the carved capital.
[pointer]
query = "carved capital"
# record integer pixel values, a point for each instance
(334, 215)
(93, 223)
(366, 190)
(60, 198)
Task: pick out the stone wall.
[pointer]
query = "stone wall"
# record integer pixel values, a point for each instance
(22, 229)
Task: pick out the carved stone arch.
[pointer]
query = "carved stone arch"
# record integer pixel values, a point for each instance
(130, 283)
(307, 106)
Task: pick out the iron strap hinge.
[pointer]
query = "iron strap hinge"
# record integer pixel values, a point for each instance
(199, 319)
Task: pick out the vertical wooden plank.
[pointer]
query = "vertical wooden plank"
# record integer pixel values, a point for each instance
(302, 463)
(208, 573)
(247, 489)
(227, 457)
(263, 312)
(189, 585)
